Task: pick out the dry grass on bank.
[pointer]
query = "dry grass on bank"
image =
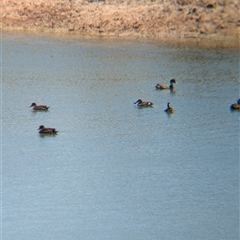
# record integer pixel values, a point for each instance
(122, 18)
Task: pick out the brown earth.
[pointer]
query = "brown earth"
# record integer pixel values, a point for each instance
(154, 19)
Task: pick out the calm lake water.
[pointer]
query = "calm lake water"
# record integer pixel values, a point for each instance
(115, 171)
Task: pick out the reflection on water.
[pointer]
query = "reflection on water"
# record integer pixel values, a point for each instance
(115, 171)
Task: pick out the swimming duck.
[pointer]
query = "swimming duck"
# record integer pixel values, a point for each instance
(169, 109)
(236, 106)
(165, 86)
(141, 103)
(43, 130)
(39, 107)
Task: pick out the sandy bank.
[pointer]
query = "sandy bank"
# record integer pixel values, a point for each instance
(154, 19)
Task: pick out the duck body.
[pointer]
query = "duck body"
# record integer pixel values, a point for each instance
(162, 86)
(236, 106)
(39, 107)
(141, 103)
(169, 108)
(44, 130)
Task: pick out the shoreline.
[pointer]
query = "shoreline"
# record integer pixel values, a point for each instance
(158, 20)
(206, 42)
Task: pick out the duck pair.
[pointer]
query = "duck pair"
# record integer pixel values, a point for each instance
(236, 106)
(141, 103)
(42, 129)
(162, 86)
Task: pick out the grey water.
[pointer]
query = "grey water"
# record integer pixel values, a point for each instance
(114, 170)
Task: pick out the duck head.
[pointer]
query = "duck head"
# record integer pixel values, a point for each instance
(173, 81)
(33, 104)
(138, 101)
(41, 127)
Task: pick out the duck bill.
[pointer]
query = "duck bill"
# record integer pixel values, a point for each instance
(136, 102)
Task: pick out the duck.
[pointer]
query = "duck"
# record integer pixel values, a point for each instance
(39, 107)
(169, 108)
(236, 106)
(141, 103)
(165, 86)
(44, 130)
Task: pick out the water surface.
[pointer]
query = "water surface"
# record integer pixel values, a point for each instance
(115, 171)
